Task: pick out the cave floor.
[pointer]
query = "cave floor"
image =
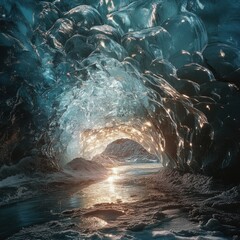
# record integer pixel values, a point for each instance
(134, 202)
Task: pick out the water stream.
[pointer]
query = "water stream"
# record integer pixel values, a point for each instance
(47, 206)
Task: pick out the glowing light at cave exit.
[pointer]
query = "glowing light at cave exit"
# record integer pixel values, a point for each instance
(94, 141)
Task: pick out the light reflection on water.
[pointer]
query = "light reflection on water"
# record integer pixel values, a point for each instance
(113, 177)
(46, 207)
(114, 189)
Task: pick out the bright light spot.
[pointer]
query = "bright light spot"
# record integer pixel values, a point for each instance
(148, 124)
(162, 148)
(222, 53)
(114, 171)
(111, 179)
(103, 44)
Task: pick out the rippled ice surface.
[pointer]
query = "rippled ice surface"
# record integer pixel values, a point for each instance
(77, 75)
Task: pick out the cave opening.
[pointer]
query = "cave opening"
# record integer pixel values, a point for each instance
(95, 142)
(127, 151)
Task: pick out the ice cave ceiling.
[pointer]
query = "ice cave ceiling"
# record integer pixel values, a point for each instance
(77, 75)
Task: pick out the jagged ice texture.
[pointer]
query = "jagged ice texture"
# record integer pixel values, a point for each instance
(77, 75)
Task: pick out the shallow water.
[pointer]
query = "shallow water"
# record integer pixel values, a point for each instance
(114, 189)
(120, 207)
(47, 206)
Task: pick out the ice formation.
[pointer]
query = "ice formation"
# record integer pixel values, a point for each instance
(78, 75)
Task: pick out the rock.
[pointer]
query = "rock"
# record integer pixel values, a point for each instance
(159, 215)
(137, 227)
(213, 224)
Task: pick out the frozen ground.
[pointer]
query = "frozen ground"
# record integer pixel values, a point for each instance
(134, 202)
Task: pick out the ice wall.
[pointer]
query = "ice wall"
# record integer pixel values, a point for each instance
(77, 75)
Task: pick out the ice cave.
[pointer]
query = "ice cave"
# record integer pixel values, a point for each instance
(119, 119)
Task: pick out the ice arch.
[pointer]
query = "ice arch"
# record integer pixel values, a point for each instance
(141, 107)
(163, 71)
(99, 115)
